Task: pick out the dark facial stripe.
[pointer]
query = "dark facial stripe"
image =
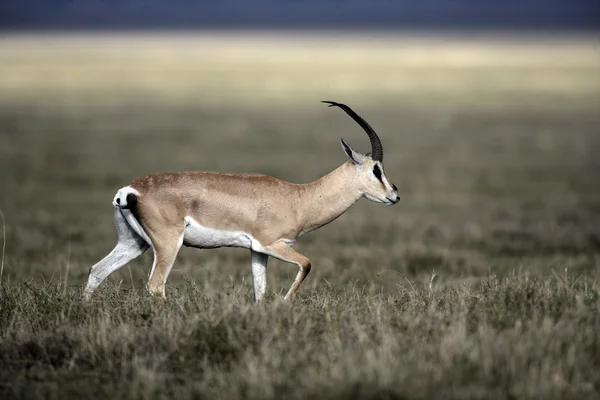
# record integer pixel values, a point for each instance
(377, 173)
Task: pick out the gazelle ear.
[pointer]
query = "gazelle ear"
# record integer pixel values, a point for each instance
(355, 156)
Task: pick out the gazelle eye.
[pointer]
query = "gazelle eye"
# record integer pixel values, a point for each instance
(377, 172)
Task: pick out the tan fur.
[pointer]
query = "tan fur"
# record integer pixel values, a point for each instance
(267, 208)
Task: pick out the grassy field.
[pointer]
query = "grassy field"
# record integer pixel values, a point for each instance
(482, 283)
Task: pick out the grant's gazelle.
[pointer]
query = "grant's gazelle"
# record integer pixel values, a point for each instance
(258, 212)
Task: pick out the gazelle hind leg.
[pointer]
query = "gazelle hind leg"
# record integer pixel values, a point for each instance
(165, 248)
(259, 273)
(284, 252)
(129, 246)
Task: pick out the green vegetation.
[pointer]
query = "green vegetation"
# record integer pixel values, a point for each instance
(482, 283)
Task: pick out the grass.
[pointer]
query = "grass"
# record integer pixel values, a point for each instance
(519, 337)
(483, 282)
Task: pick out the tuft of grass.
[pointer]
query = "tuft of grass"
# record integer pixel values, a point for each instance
(3, 246)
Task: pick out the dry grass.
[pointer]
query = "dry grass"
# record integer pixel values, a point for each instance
(481, 283)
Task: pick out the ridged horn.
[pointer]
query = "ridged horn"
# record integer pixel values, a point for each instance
(376, 147)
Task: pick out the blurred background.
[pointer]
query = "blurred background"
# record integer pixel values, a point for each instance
(488, 112)
(303, 14)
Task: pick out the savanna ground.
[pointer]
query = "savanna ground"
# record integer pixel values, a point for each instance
(483, 282)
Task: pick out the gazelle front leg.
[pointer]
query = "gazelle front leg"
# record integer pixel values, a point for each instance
(283, 252)
(259, 273)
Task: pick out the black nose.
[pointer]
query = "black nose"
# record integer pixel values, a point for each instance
(397, 198)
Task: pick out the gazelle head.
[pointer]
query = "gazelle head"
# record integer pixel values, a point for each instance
(370, 175)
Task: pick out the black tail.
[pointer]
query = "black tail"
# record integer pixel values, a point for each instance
(131, 202)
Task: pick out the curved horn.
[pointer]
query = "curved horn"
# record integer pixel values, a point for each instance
(376, 147)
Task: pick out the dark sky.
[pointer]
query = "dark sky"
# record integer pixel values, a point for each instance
(299, 14)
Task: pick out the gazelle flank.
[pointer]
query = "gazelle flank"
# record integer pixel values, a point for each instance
(164, 211)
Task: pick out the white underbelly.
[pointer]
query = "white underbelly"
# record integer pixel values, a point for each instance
(196, 235)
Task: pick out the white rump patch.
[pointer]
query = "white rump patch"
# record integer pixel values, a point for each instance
(120, 199)
(196, 235)
(135, 225)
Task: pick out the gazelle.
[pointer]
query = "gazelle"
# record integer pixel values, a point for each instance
(258, 212)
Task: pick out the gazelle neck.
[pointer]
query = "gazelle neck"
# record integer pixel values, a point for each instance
(325, 199)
